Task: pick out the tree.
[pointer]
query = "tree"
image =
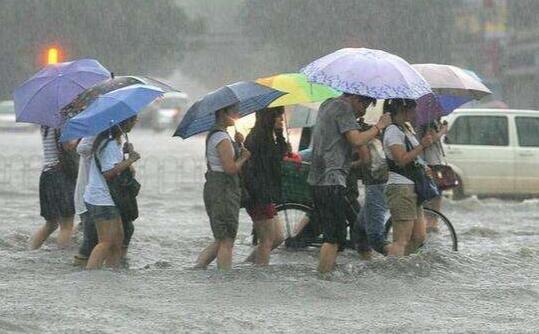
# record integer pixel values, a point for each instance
(126, 36)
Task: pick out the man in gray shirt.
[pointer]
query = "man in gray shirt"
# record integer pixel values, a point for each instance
(336, 136)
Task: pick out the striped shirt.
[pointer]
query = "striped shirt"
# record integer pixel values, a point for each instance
(50, 150)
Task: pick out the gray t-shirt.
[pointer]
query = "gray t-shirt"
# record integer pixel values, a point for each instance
(332, 154)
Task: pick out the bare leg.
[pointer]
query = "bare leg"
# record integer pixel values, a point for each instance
(419, 234)
(278, 239)
(207, 256)
(106, 231)
(224, 254)
(432, 222)
(264, 231)
(402, 232)
(66, 231)
(328, 257)
(43, 234)
(113, 261)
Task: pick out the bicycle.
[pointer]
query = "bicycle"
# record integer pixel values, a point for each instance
(297, 206)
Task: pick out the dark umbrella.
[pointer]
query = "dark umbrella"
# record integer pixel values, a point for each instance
(250, 97)
(84, 99)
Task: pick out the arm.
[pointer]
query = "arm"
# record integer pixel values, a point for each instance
(119, 168)
(358, 139)
(402, 157)
(226, 155)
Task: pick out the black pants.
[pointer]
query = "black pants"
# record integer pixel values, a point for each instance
(330, 205)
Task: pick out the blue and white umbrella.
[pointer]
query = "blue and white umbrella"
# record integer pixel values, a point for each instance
(108, 110)
(248, 95)
(368, 72)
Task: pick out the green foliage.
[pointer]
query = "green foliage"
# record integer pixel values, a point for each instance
(126, 36)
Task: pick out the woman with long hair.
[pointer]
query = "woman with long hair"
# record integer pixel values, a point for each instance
(403, 152)
(56, 190)
(222, 191)
(107, 163)
(262, 178)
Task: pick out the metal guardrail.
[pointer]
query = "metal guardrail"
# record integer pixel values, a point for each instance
(20, 173)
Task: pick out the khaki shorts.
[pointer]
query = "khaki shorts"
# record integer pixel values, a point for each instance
(222, 197)
(402, 202)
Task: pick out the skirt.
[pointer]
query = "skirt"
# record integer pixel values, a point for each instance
(56, 193)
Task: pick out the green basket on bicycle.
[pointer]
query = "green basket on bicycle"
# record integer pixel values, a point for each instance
(295, 188)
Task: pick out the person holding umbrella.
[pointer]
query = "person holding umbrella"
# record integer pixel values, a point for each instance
(108, 163)
(222, 192)
(39, 100)
(110, 195)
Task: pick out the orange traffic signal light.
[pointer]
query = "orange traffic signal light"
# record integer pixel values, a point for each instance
(52, 56)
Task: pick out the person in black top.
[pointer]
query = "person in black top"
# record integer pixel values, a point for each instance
(262, 179)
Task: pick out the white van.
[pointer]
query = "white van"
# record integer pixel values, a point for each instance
(494, 151)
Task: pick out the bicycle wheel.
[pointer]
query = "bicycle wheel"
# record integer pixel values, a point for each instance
(441, 236)
(298, 229)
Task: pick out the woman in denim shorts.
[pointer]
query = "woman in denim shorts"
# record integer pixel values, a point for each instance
(107, 148)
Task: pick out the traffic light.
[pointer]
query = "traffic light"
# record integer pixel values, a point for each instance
(52, 56)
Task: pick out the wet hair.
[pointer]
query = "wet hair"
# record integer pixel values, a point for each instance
(265, 120)
(393, 106)
(114, 133)
(365, 99)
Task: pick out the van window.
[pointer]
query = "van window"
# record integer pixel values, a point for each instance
(479, 130)
(528, 131)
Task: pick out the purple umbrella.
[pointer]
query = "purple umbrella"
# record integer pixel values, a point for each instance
(368, 72)
(40, 98)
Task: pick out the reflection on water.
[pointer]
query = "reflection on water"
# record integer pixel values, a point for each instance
(489, 285)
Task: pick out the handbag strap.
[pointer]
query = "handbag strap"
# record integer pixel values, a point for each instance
(101, 148)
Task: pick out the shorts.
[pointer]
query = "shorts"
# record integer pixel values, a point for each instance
(56, 192)
(330, 206)
(103, 212)
(222, 197)
(262, 212)
(402, 202)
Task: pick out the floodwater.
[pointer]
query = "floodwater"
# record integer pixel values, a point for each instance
(490, 285)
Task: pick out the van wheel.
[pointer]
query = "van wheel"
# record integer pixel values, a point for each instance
(458, 192)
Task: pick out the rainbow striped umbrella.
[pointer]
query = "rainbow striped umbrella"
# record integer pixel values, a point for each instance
(298, 88)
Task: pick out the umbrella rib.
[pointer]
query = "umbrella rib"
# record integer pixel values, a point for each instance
(35, 94)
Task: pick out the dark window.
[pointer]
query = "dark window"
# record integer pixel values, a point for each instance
(479, 130)
(528, 131)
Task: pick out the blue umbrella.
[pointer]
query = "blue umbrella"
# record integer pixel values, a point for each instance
(108, 110)
(40, 98)
(249, 95)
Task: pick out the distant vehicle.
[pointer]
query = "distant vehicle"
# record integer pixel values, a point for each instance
(494, 151)
(164, 113)
(7, 118)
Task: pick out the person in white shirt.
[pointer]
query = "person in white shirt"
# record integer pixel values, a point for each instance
(84, 149)
(402, 149)
(107, 149)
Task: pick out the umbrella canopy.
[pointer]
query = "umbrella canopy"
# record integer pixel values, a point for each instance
(298, 88)
(374, 73)
(40, 98)
(85, 98)
(453, 81)
(452, 86)
(302, 115)
(249, 95)
(108, 110)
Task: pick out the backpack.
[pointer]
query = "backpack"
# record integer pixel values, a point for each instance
(378, 167)
(69, 159)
